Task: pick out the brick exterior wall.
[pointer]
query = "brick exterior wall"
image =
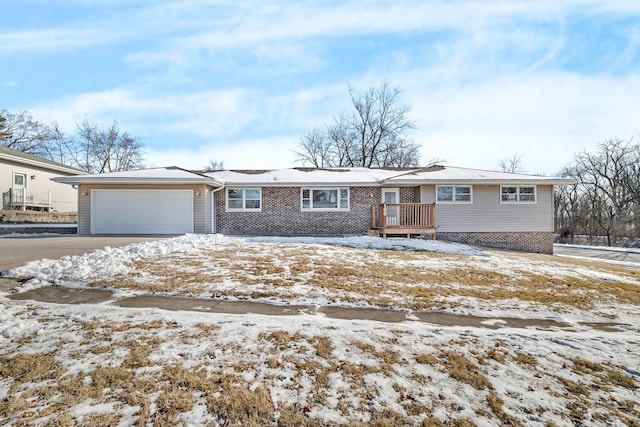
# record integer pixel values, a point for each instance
(281, 215)
(540, 242)
(409, 194)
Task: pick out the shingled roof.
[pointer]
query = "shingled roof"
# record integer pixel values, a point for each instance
(33, 160)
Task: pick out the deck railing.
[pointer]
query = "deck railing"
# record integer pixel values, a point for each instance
(18, 198)
(407, 215)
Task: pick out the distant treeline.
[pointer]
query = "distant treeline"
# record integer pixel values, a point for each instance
(605, 201)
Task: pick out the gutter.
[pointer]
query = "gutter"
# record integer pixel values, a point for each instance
(43, 165)
(477, 182)
(133, 181)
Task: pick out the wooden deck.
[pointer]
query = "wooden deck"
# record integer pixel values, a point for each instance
(405, 219)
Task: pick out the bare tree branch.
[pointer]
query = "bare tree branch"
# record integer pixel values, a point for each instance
(374, 134)
(511, 164)
(606, 199)
(93, 149)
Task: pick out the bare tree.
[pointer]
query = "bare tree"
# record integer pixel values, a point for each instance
(22, 132)
(92, 149)
(511, 164)
(374, 134)
(214, 165)
(4, 133)
(106, 150)
(606, 199)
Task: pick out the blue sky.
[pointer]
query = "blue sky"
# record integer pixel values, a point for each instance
(242, 81)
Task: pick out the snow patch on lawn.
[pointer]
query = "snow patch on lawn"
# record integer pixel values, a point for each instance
(110, 262)
(602, 248)
(368, 242)
(523, 388)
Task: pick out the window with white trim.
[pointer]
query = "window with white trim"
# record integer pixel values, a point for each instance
(19, 180)
(324, 199)
(454, 194)
(517, 194)
(244, 199)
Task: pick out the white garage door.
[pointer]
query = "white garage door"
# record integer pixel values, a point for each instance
(141, 211)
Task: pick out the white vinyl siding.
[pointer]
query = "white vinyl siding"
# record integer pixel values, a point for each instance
(487, 213)
(63, 196)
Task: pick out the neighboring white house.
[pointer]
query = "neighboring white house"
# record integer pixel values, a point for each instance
(511, 211)
(26, 183)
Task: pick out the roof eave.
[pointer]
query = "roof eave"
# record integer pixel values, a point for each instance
(42, 165)
(302, 184)
(138, 181)
(483, 182)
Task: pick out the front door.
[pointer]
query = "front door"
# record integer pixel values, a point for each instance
(392, 213)
(18, 188)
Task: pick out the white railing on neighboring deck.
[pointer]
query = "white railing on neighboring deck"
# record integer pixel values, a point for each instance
(19, 198)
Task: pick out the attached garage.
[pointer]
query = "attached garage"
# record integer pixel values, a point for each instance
(142, 211)
(160, 201)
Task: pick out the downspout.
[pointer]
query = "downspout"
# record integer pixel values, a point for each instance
(214, 224)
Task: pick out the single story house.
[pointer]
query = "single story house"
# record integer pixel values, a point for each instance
(494, 209)
(25, 183)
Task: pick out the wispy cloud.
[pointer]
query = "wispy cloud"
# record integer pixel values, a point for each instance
(546, 118)
(542, 78)
(50, 39)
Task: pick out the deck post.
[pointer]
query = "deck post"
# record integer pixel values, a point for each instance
(373, 217)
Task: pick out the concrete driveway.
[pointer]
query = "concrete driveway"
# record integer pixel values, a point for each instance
(15, 251)
(601, 254)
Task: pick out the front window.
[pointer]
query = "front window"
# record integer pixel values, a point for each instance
(325, 199)
(244, 199)
(517, 194)
(454, 194)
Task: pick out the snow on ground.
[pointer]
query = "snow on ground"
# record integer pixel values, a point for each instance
(171, 254)
(604, 248)
(110, 262)
(178, 368)
(532, 377)
(25, 235)
(367, 242)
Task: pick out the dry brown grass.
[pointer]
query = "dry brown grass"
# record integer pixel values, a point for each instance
(525, 359)
(616, 377)
(387, 356)
(172, 403)
(573, 387)
(495, 404)
(26, 368)
(413, 280)
(460, 368)
(606, 374)
(111, 377)
(240, 405)
(426, 359)
(236, 386)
